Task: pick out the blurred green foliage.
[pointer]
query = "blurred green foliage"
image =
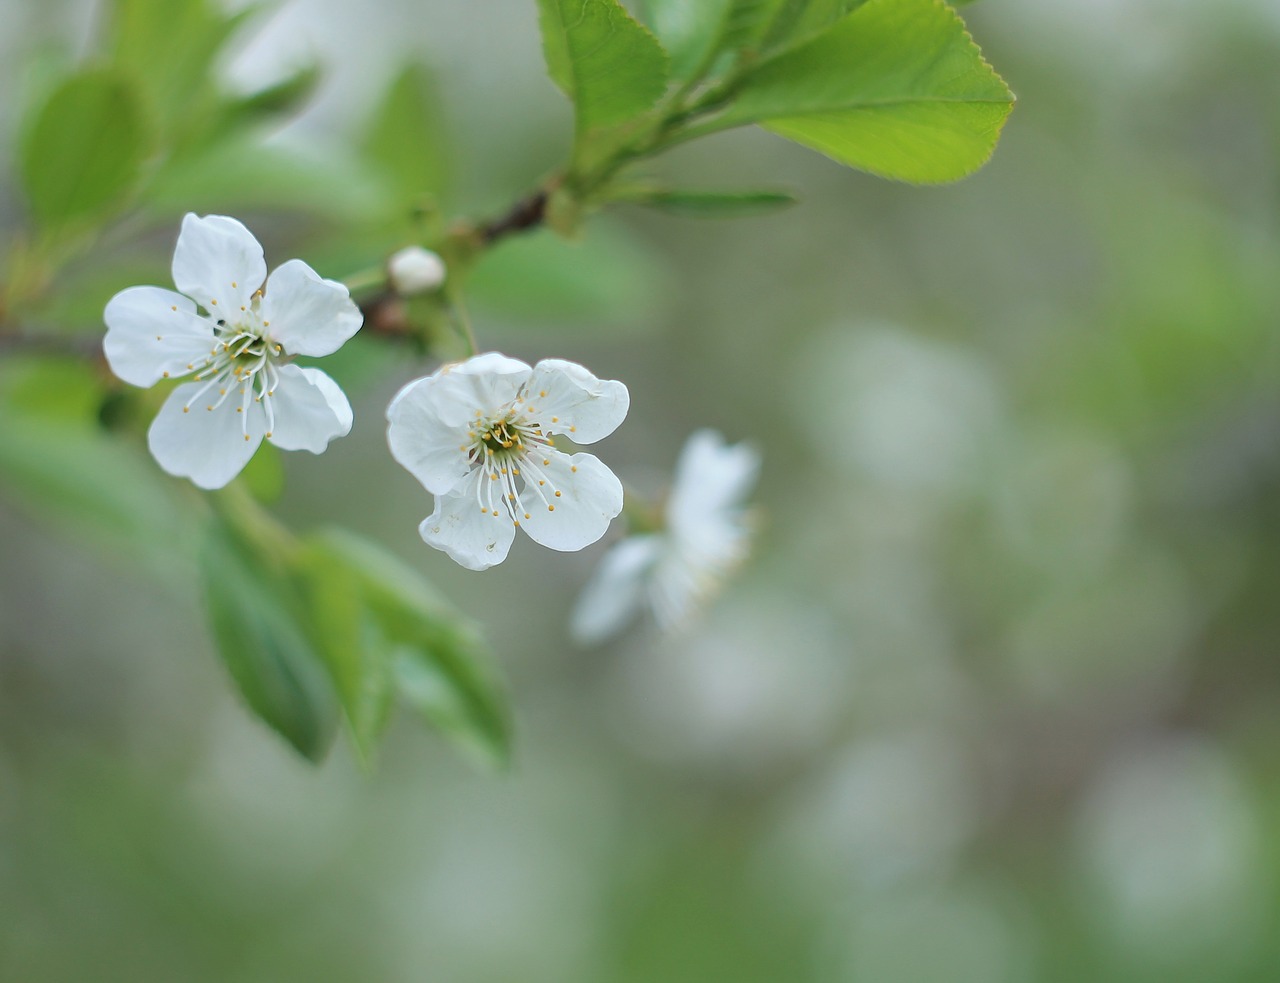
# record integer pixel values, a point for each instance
(996, 701)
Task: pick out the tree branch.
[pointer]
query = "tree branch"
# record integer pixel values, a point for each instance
(527, 213)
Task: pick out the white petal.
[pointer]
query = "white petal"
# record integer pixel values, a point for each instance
(474, 537)
(306, 313)
(488, 383)
(586, 408)
(310, 410)
(152, 333)
(711, 480)
(217, 259)
(590, 495)
(616, 591)
(680, 584)
(206, 446)
(427, 446)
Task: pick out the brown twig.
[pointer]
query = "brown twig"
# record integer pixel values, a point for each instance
(527, 213)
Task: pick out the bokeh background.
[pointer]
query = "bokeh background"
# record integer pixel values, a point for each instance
(997, 698)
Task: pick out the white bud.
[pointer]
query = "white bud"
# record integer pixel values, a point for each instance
(414, 270)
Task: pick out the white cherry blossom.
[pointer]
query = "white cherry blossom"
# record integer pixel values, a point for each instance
(706, 533)
(234, 337)
(479, 435)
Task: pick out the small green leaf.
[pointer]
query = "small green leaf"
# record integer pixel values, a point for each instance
(439, 661)
(603, 59)
(706, 204)
(84, 152)
(407, 139)
(252, 609)
(897, 88)
(284, 97)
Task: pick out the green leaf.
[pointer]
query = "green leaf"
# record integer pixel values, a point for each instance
(241, 175)
(252, 607)
(705, 204)
(603, 59)
(438, 660)
(60, 465)
(351, 642)
(281, 99)
(801, 19)
(84, 152)
(407, 139)
(897, 88)
(747, 22)
(170, 48)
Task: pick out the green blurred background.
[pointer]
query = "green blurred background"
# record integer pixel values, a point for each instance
(998, 697)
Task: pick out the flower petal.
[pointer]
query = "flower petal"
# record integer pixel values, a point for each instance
(310, 410)
(306, 313)
(429, 448)
(488, 383)
(589, 496)
(680, 584)
(153, 333)
(207, 446)
(585, 408)
(217, 263)
(471, 535)
(711, 480)
(617, 590)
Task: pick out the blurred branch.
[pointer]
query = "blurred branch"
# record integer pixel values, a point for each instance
(527, 213)
(79, 345)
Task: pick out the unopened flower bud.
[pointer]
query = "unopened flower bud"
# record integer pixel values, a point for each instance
(414, 270)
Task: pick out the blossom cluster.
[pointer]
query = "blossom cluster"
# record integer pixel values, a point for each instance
(480, 435)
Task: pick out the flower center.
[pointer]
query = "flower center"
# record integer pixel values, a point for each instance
(505, 448)
(243, 360)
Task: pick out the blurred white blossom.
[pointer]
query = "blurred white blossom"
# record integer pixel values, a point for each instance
(415, 270)
(899, 409)
(479, 435)
(706, 534)
(1171, 843)
(238, 352)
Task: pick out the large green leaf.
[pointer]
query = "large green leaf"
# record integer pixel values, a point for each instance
(254, 614)
(437, 659)
(350, 641)
(897, 88)
(407, 139)
(603, 59)
(170, 48)
(84, 151)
